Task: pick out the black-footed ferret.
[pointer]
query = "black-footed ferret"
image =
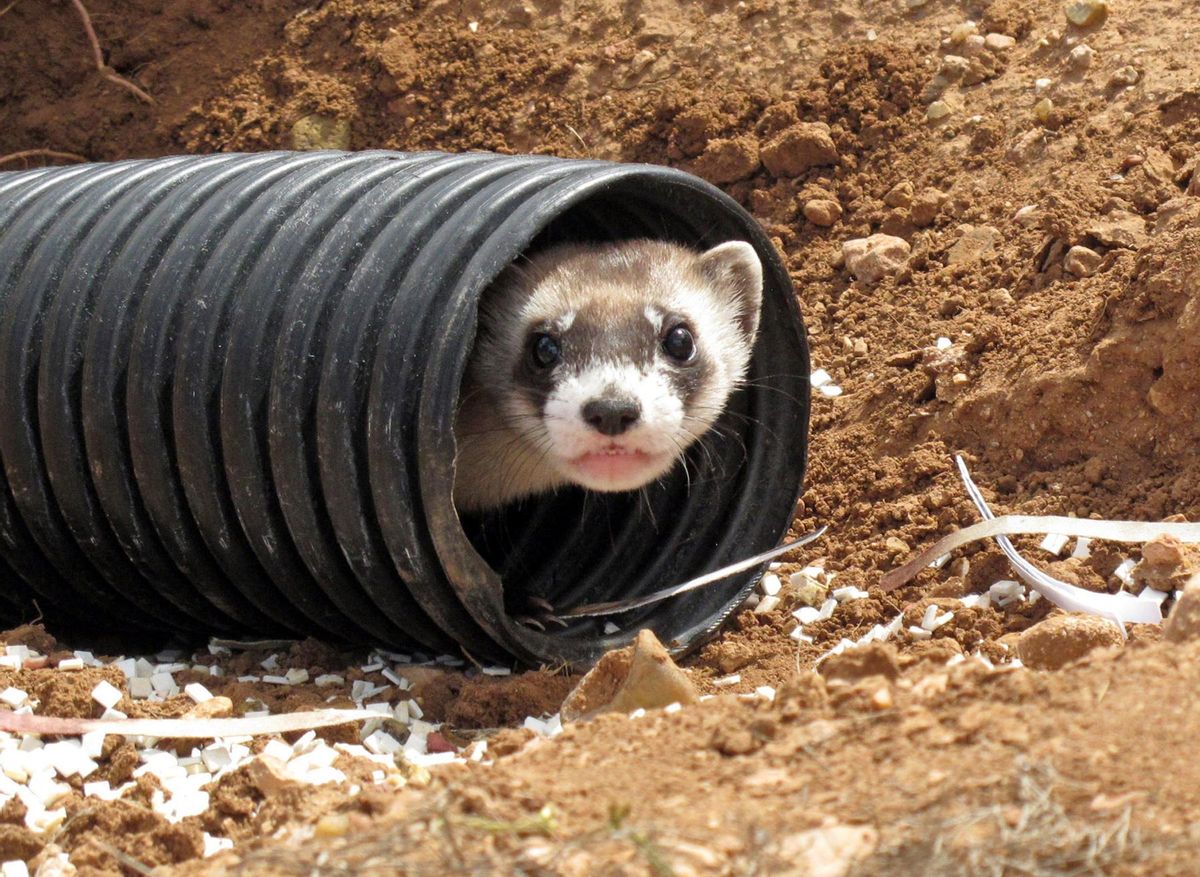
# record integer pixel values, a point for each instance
(599, 364)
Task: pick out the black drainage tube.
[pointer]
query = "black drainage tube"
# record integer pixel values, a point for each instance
(228, 387)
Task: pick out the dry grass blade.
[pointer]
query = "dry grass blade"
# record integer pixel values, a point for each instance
(40, 153)
(7, 8)
(16, 723)
(98, 56)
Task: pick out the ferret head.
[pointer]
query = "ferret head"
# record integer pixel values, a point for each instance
(610, 360)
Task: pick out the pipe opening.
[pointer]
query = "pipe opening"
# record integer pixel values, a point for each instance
(574, 547)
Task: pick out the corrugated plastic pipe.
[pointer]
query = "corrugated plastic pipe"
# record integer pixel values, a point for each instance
(228, 385)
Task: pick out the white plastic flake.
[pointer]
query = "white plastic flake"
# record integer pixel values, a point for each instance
(820, 378)
(106, 694)
(1054, 543)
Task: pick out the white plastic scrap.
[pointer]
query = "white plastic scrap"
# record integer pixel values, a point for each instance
(726, 681)
(1124, 571)
(848, 593)
(1082, 550)
(770, 585)
(766, 692)
(1149, 593)
(931, 612)
(1054, 543)
(820, 378)
(1122, 607)
(214, 845)
(197, 692)
(106, 694)
(1005, 591)
(766, 604)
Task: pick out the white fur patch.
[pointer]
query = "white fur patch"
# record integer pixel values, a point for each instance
(657, 430)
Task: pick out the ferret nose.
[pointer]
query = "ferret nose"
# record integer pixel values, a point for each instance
(611, 416)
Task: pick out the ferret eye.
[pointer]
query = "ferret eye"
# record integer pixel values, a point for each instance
(544, 350)
(679, 344)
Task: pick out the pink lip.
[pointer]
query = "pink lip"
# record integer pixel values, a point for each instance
(612, 465)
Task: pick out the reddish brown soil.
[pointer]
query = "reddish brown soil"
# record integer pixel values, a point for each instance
(1077, 396)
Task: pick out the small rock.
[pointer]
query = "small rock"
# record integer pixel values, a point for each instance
(962, 31)
(641, 675)
(269, 776)
(1124, 77)
(926, 207)
(938, 110)
(900, 195)
(831, 851)
(872, 659)
(873, 258)
(822, 211)
(798, 148)
(977, 244)
(1081, 261)
(321, 132)
(1057, 641)
(1086, 13)
(953, 67)
(1026, 216)
(915, 4)
(998, 42)
(1183, 624)
(1080, 58)
(1120, 229)
(1167, 564)
(981, 68)
(896, 545)
(214, 708)
(1043, 110)
(974, 46)
(1027, 145)
(727, 161)
(332, 825)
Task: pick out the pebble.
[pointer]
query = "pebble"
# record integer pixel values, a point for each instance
(977, 244)
(900, 195)
(926, 207)
(938, 110)
(1124, 77)
(872, 258)
(832, 851)
(728, 160)
(1081, 56)
(1043, 110)
(321, 132)
(1027, 216)
(798, 148)
(998, 42)
(1120, 228)
(822, 212)
(1057, 641)
(1086, 13)
(1183, 624)
(1081, 261)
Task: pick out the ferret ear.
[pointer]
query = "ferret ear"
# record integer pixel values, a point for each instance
(735, 271)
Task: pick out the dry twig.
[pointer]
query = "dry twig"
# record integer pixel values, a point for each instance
(97, 55)
(40, 153)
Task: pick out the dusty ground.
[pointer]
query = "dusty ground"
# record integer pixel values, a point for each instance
(1071, 392)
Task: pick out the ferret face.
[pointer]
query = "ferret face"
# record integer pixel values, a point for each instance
(610, 360)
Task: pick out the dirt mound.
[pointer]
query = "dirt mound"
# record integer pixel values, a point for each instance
(1040, 181)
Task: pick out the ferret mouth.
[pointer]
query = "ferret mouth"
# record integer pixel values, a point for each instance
(617, 467)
